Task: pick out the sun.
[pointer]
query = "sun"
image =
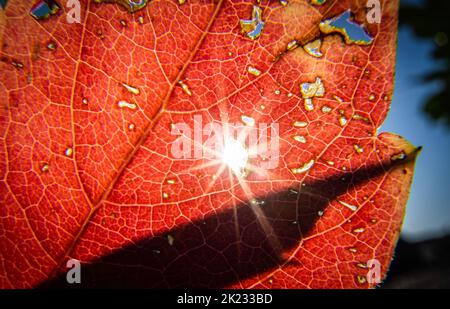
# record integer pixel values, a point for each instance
(235, 156)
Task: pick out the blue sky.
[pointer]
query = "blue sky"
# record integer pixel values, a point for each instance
(428, 211)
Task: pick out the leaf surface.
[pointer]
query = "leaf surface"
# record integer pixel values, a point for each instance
(83, 177)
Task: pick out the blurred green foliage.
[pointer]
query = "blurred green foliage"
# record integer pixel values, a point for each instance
(431, 19)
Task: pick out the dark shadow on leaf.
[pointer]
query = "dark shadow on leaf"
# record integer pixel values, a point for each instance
(207, 254)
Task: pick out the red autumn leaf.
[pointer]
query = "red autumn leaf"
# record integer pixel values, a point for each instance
(87, 165)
